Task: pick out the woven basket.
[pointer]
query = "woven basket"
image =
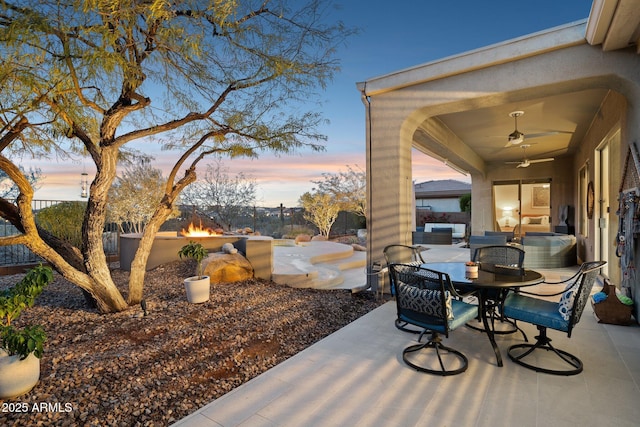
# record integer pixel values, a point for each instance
(612, 310)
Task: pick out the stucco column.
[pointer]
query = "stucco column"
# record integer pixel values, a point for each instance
(389, 179)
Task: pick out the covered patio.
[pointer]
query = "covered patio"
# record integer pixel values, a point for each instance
(579, 89)
(356, 377)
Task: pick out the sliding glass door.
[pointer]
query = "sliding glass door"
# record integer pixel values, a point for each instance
(522, 206)
(506, 205)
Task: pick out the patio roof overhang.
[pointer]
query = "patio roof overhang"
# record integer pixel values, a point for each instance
(470, 134)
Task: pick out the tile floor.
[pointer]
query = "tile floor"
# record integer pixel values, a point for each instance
(356, 377)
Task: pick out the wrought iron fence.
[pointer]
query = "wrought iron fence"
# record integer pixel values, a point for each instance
(13, 255)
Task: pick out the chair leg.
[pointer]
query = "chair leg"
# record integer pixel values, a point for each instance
(543, 342)
(435, 343)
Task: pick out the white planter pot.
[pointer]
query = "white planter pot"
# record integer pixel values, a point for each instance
(17, 376)
(198, 289)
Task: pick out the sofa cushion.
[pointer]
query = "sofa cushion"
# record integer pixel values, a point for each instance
(508, 234)
(549, 251)
(497, 239)
(458, 230)
(559, 240)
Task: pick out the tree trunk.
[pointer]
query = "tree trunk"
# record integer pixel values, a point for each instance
(107, 295)
(139, 263)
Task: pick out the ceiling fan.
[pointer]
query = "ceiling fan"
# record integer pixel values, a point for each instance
(525, 163)
(516, 137)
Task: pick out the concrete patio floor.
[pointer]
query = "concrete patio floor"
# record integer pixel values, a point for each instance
(356, 377)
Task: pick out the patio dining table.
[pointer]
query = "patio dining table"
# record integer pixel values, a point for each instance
(487, 279)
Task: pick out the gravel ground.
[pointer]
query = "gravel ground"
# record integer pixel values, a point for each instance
(127, 369)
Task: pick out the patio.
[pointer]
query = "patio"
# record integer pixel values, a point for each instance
(355, 377)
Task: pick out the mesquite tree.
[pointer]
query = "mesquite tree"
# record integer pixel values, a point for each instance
(196, 77)
(225, 196)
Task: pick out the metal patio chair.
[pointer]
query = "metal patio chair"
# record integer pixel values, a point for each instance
(561, 316)
(499, 255)
(424, 299)
(395, 254)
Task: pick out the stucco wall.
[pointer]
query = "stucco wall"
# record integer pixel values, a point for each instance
(612, 116)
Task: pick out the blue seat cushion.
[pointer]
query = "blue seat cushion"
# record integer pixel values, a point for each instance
(462, 313)
(535, 311)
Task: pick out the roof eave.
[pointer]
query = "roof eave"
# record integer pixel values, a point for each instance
(512, 50)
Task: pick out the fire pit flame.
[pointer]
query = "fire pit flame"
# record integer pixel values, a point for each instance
(198, 231)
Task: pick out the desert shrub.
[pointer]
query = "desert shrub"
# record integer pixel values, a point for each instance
(63, 220)
(290, 232)
(465, 203)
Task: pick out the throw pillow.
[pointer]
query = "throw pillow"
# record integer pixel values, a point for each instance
(566, 301)
(428, 301)
(535, 220)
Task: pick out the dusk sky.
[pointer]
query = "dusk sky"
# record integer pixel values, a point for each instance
(393, 36)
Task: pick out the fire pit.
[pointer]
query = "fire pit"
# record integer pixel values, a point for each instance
(200, 231)
(166, 244)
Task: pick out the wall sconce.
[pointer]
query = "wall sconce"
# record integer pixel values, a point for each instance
(84, 185)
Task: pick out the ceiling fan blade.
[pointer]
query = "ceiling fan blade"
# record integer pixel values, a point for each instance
(541, 134)
(548, 159)
(526, 162)
(528, 136)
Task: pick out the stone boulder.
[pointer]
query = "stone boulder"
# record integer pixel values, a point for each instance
(228, 248)
(302, 238)
(221, 267)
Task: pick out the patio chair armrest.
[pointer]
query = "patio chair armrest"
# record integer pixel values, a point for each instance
(547, 282)
(461, 293)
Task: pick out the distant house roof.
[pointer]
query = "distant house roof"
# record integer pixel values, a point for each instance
(446, 188)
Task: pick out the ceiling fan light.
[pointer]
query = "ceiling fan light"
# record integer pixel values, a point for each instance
(516, 137)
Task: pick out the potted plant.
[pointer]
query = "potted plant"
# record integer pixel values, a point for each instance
(471, 269)
(21, 348)
(197, 287)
